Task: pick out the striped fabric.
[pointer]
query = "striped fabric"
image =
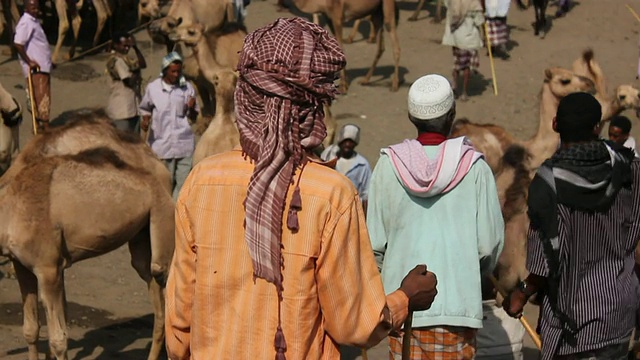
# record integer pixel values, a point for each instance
(217, 309)
(286, 71)
(598, 286)
(498, 31)
(437, 343)
(465, 59)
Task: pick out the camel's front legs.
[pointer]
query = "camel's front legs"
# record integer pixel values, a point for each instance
(140, 249)
(336, 13)
(377, 26)
(63, 26)
(102, 13)
(51, 286)
(414, 17)
(29, 289)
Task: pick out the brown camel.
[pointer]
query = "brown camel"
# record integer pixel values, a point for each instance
(9, 19)
(382, 12)
(212, 14)
(208, 54)
(625, 97)
(222, 134)
(103, 12)
(493, 140)
(514, 163)
(11, 116)
(50, 221)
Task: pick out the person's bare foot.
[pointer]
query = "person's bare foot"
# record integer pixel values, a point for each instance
(463, 97)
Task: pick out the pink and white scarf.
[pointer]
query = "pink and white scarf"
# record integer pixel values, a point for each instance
(425, 177)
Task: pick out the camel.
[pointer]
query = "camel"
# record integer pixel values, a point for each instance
(50, 220)
(372, 34)
(9, 19)
(382, 12)
(212, 14)
(493, 140)
(514, 163)
(625, 97)
(222, 134)
(11, 116)
(212, 52)
(151, 9)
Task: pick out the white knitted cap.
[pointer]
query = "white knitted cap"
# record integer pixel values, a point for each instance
(430, 97)
(351, 132)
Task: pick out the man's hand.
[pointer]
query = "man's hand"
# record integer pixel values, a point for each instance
(191, 103)
(131, 41)
(514, 303)
(33, 65)
(420, 287)
(144, 124)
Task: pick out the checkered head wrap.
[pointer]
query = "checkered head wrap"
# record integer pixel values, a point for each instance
(287, 72)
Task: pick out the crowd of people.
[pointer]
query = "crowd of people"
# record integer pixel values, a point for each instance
(284, 254)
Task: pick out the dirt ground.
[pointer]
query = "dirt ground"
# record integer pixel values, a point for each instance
(109, 313)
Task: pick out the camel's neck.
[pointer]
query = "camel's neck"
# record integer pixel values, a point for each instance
(546, 140)
(611, 109)
(224, 109)
(203, 54)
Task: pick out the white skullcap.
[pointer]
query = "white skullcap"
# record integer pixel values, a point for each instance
(351, 132)
(430, 97)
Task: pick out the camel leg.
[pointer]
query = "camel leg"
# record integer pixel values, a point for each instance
(316, 18)
(336, 13)
(377, 21)
(76, 21)
(63, 26)
(354, 31)
(162, 230)
(102, 13)
(395, 44)
(29, 290)
(414, 17)
(438, 11)
(140, 249)
(51, 287)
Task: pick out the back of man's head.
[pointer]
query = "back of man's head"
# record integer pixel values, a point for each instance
(577, 117)
(621, 122)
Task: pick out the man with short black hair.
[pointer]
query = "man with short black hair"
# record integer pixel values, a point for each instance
(584, 207)
(619, 129)
(124, 80)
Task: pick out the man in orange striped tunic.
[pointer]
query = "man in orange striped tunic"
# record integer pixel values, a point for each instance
(282, 267)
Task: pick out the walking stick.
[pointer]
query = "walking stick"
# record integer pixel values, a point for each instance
(523, 321)
(493, 69)
(633, 12)
(406, 337)
(32, 99)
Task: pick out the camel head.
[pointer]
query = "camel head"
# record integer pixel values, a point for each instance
(563, 82)
(628, 97)
(225, 84)
(149, 9)
(189, 35)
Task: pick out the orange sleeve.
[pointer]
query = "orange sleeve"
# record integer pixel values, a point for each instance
(350, 289)
(180, 289)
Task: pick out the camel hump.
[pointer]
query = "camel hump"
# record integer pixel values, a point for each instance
(516, 156)
(100, 156)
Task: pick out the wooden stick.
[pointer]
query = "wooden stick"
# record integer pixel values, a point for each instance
(493, 69)
(406, 337)
(633, 12)
(523, 321)
(82, 54)
(32, 99)
(364, 354)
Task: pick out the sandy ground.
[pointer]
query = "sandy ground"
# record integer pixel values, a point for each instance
(109, 313)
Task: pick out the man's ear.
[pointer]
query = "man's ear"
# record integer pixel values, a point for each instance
(598, 128)
(555, 124)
